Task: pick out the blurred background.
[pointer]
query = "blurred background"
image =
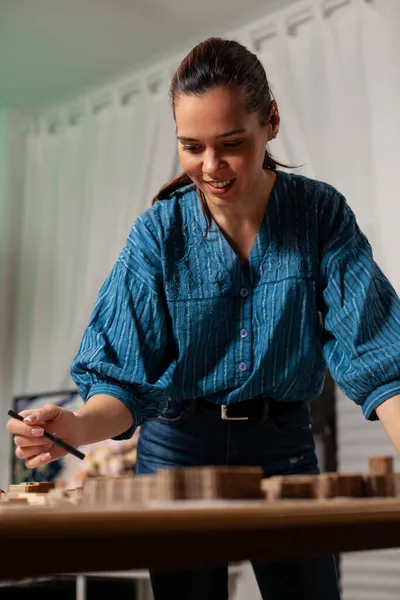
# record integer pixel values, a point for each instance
(87, 139)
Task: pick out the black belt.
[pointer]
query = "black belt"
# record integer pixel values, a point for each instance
(255, 409)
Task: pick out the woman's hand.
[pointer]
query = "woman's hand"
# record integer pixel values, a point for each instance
(35, 449)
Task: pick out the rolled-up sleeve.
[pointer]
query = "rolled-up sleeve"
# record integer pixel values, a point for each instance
(361, 312)
(125, 351)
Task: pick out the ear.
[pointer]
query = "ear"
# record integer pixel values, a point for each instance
(274, 121)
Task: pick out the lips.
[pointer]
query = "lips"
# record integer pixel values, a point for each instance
(220, 187)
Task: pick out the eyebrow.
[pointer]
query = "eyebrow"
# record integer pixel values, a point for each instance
(183, 138)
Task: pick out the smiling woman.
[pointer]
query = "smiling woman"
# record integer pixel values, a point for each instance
(234, 292)
(222, 150)
(224, 123)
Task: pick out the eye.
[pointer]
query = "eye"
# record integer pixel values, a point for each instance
(235, 144)
(192, 149)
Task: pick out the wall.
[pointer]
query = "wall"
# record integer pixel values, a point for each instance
(12, 166)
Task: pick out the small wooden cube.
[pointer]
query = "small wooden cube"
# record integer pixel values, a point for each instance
(169, 484)
(143, 488)
(271, 487)
(381, 465)
(351, 486)
(234, 483)
(192, 483)
(32, 487)
(326, 486)
(14, 499)
(94, 491)
(396, 484)
(379, 485)
(298, 486)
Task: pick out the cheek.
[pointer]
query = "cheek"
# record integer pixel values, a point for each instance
(242, 165)
(252, 161)
(190, 164)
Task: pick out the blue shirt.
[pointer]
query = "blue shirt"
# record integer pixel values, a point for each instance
(179, 317)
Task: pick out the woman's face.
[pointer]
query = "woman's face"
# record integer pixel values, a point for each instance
(221, 145)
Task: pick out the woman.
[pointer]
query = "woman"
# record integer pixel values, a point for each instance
(215, 326)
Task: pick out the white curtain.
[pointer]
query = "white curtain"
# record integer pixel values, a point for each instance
(336, 77)
(89, 175)
(12, 145)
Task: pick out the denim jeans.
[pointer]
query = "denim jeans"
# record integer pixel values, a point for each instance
(281, 445)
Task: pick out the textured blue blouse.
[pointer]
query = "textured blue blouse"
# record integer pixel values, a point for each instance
(179, 317)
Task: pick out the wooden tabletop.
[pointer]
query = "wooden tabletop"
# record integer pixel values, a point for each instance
(43, 541)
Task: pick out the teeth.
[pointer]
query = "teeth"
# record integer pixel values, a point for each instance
(220, 184)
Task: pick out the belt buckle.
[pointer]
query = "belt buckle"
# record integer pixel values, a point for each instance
(224, 415)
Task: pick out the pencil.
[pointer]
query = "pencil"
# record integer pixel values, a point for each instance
(53, 438)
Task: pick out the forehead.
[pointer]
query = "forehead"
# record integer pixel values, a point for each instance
(216, 111)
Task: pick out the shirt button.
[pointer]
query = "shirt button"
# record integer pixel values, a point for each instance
(242, 366)
(244, 333)
(244, 292)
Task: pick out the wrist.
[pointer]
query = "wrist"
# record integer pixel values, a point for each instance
(81, 428)
(101, 418)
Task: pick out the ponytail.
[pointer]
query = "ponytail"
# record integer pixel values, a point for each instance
(172, 186)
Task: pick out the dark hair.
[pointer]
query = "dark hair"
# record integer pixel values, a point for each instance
(213, 63)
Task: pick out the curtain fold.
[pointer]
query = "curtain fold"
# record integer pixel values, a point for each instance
(87, 182)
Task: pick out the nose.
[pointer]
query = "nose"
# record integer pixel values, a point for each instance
(211, 162)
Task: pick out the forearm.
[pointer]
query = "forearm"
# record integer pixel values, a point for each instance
(103, 417)
(389, 415)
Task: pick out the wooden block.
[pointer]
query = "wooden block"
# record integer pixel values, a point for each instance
(125, 490)
(60, 496)
(169, 484)
(381, 465)
(379, 485)
(13, 499)
(319, 487)
(32, 487)
(350, 486)
(94, 491)
(192, 483)
(140, 489)
(118, 490)
(236, 483)
(298, 486)
(232, 483)
(115, 490)
(57, 497)
(271, 487)
(37, 499)
(75, 495)
(325, 486)
(396, 484)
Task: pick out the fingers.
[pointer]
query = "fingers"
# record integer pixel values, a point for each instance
(31, 451)
(49, 412)
(31, 445)
(33, 419)
(24, 441)
(19, 428)
(40, 459)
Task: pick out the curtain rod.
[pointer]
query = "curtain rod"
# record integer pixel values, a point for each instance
(151, 79)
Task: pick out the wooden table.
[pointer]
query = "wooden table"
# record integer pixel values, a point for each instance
(42, 541)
